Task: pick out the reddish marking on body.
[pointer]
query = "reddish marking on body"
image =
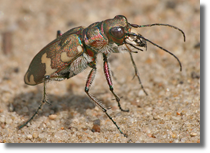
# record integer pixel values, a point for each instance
(98, 43)
(106, 71)
(90, 52)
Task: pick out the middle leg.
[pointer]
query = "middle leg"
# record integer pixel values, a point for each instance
(90, 79)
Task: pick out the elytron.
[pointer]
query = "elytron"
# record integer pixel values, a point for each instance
(72, 52)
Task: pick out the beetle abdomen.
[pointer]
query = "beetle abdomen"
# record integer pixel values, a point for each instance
(54, 58)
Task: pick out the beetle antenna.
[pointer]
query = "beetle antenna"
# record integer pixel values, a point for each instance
(158, 24)
(140, 36)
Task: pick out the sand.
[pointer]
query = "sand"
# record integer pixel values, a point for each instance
(169, 114)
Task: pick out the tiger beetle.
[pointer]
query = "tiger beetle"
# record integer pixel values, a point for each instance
(72, 52)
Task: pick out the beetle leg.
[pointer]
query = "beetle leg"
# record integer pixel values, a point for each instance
(59, 33)
(109, 81)
(40, 106)
(136, 71)
(90, 79)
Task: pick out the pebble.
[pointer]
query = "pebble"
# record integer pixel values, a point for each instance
(53, 117)
(193, 134)
(176, 117)
(173, 135)
(29, 136)
(35, 135)
(96, 128)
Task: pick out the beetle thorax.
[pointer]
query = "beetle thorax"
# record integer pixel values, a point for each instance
(94, 38)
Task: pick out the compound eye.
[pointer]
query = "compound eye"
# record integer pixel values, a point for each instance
(117, 32)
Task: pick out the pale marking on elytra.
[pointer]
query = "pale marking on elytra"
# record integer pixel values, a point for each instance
(31, 79)
(65, 57)
(79, 48)
(47, 62)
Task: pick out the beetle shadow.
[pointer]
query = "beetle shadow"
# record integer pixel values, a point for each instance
(26, 104)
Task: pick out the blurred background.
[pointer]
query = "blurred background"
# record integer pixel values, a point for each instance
(169, 114)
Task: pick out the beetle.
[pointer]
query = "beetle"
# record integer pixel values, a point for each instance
(72, 52)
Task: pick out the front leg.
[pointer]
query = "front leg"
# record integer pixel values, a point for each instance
(109, 81)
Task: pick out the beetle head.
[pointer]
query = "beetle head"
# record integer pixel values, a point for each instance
(118, 31)
(115, 29)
